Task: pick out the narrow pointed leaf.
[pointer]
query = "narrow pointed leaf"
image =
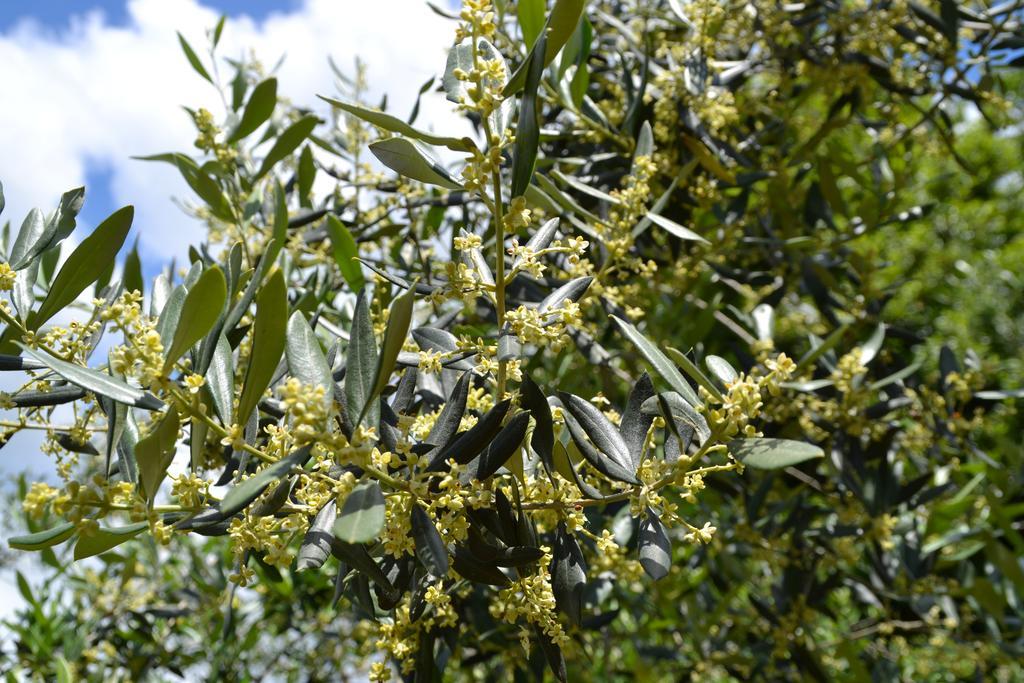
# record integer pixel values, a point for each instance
(399, 319)
(396, 125)
(267, 343)
(257, 110)
(430, 547)
(345, 251)
(85, 264)
(361, 359)
(524, 153)
(43, 539)
(248, 490)
(568, 575)
(635, 423)
(220, 380)
(657, 359)
(106, 538)
(97, 382)
(203, 305)
(503, 447)
(287, 142)
(155, 451)
(316, 545)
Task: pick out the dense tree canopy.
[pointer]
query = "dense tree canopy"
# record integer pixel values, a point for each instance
(653, 369)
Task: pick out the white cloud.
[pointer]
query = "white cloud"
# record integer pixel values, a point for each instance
(97, 94)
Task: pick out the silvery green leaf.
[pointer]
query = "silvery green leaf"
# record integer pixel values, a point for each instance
(773, 454)
(654, 546)
(361, 517)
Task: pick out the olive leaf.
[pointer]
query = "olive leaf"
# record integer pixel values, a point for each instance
(399, 319)
(316, 545)
(268, 342)
(561, 24)
(220, 380)
(200, 310)
(345, 251)
(257, 110)
(46, 538)
(248, 490)
(306, 359)
(106, 538)
(658, 361)
(361, 517)
(773, 454)
(155, 451)
(568, 575)
(430, 547)
(361, 361)
(287, 142)
(97, 382)
(85, 265)
(586, 423)
(409, 159)
(396, 125)
(655, 549)
(524, 152)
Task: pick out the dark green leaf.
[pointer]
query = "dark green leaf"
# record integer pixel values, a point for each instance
(773, 454)
(568, 575)
(524, 154)
(543, 439)
(316, 546)
(399, 319)
(560, 26)
(207, 189)
(361, 518)
(673, 406)
(473, 441)
(199, 312)
(193, 58)
(287, 142)
(133, 271)
(447, 423)
(248, 490)
(105, 538)
(634, 423)
(503, 447)
(43, 539)
(396, 125)
(257, 111)
(86, 263)
(586, 423)
(691, 369)
(345, 251)
(361, 360)
(430, 547)
(155, 451)
(267, 343)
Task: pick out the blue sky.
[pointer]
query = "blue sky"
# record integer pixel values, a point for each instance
(55, 14)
